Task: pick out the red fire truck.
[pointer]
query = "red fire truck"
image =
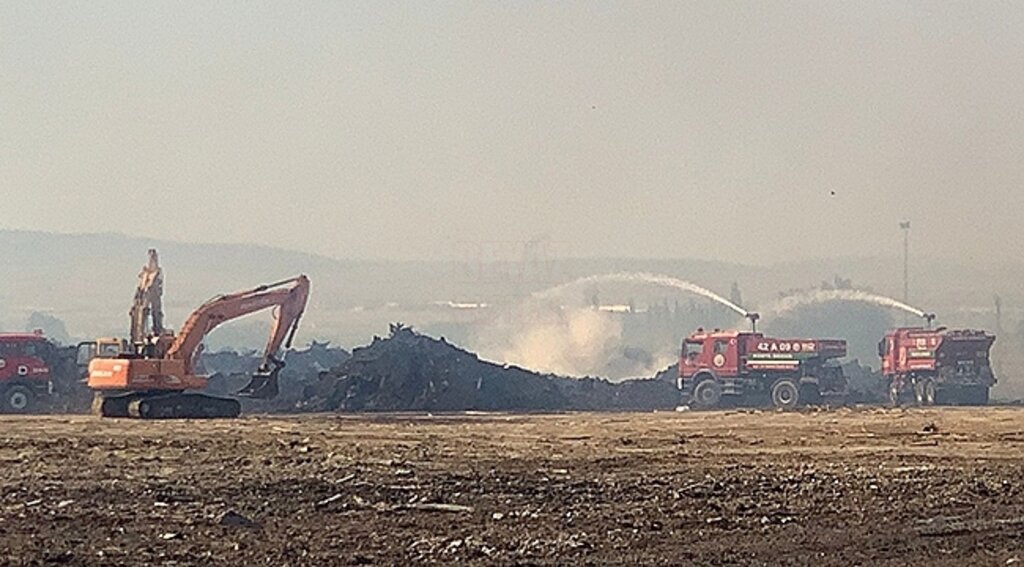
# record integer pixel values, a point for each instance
(24, 374)
(744, 366)
(937, 365)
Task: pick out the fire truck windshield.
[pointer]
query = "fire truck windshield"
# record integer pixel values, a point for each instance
(692, 349)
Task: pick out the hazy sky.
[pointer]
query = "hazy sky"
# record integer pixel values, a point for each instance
(382, 129)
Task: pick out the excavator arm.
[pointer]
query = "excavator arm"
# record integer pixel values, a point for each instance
(147, 302)
(288, 297)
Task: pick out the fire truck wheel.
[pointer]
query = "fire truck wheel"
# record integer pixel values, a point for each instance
(785, 394)
(894, 394)
(927, 397)
(707, 393)
(17, 399)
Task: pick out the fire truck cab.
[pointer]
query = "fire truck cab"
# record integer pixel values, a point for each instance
(24, 374)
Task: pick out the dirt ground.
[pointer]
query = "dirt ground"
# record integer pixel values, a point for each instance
(850, 486)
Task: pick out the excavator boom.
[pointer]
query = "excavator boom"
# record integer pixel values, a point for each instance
(148, 301)
(288, 297)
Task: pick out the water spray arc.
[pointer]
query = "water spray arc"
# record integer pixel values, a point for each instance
(642, 278)
(781, 307)
(792, 302)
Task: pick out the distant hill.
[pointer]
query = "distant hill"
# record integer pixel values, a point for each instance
(87, 280)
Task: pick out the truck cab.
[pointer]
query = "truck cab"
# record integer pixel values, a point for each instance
(25, 376)
(714, 352)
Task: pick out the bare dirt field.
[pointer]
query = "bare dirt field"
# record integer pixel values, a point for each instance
(844, 487)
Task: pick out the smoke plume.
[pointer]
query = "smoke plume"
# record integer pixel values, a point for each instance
(571, 341)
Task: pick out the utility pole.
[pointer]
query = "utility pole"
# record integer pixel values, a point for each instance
(905, 227)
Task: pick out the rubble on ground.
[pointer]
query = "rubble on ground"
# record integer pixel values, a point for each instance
(853, 487)
(408, 371)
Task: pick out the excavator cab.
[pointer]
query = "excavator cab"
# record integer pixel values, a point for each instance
(263, 383)
(100, 348)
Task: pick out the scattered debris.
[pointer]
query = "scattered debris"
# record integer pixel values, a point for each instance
(232, 518)
(435, 507)
(510, 490)
(329, 500)
(60, 558)
(943, 527)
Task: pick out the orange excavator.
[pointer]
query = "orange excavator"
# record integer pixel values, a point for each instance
(158, 380)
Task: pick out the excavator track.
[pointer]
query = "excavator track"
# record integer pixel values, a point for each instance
(176, 405)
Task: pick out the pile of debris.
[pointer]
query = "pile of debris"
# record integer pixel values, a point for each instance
(70, 394)
(408, 371)
(230, 371)
(865, 385)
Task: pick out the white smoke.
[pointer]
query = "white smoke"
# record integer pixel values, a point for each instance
(573, 342)
(569, 341)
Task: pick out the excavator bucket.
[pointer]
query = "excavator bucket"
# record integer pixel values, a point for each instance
(262, 386)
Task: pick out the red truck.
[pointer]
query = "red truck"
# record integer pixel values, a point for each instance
(744, 366)
(951, 366)
(24, 373)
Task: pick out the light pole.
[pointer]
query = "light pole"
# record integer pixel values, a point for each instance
(905, 227)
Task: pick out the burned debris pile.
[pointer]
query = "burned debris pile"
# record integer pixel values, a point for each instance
(408, 371)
